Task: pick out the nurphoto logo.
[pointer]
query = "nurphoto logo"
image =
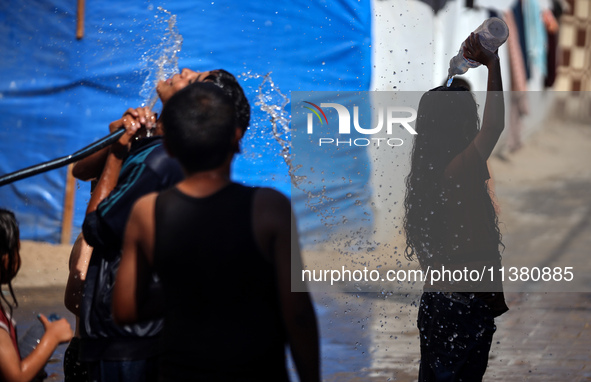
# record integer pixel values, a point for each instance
(389, 116)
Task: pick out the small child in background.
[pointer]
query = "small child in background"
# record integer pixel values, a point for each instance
(12, 367)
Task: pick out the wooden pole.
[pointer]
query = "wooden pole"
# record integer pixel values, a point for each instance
(80, 20)
(68, 215)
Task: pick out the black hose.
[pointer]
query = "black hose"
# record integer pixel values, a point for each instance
(63, 161)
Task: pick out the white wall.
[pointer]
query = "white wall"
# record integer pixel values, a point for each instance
(411, 51)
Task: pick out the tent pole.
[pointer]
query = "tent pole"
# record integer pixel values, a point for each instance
(68, 214)
(80, 20)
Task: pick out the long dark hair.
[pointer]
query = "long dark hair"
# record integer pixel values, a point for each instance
(447, 121)
(10, 259)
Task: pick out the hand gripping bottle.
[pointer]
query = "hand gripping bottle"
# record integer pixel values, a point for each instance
(493, 33)
(29, 341)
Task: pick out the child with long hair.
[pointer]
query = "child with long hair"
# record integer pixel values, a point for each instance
(12, 367)
(451, 223)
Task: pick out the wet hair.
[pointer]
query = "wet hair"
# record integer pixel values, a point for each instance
(232, 88)
(199, 123)
(10, 259)
(447, 121)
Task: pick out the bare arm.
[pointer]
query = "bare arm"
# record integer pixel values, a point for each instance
(79, 259)
(132, 283)
(14, 369)
(132, 121)
(90, 167)
(273, 229)
(493, 120)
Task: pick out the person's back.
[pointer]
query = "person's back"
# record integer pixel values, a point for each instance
(220, 290)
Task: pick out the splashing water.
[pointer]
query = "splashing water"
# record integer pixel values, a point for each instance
(161, 62)
(449, 81)
(273, 103)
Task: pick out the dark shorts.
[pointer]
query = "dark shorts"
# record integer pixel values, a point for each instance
(456, 334)
(74, 370)
(144, 370)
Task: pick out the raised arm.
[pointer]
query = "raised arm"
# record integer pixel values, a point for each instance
(90, 168)
(493, 120)
(132, 121)
(104, 228)
(273, 228)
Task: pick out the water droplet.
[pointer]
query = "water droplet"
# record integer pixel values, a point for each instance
(449, 81)
(161, 62)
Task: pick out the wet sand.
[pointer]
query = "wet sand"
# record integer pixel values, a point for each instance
(372, 337)
(543, 192)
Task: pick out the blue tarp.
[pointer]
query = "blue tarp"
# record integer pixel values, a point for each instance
(58, 94)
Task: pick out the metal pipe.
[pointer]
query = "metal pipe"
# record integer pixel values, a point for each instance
(63, 161)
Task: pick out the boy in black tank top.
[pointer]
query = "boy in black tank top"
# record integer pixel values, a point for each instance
(223, 254)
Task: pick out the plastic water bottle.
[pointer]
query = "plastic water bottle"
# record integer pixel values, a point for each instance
(493, 33)
(29, 341)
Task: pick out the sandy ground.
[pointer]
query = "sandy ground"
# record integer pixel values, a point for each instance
(43, 265)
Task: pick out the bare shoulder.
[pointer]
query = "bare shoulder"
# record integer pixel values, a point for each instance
(139, 233)
(271, 207)
(144, 206)
(141, 220)
(271, 219)
(269, 197)
(147, 200)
